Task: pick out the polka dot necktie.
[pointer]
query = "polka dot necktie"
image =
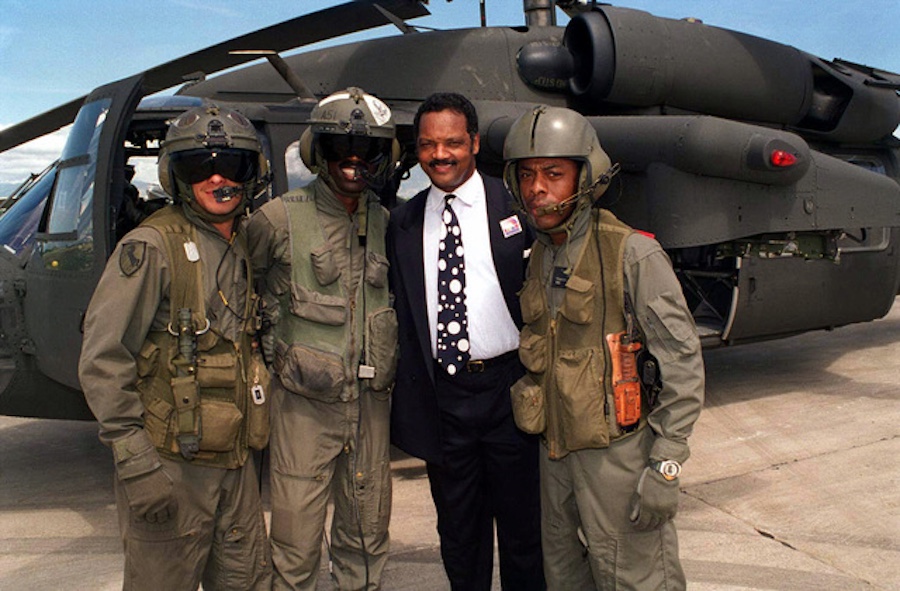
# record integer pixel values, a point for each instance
(452, 324)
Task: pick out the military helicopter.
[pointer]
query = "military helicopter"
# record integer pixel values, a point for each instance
(769, 175)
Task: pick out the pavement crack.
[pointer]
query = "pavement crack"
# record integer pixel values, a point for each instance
(771, 536)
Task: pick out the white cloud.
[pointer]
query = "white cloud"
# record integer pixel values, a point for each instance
(31, 157)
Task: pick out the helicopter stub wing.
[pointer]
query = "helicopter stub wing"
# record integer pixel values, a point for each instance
(329, 23)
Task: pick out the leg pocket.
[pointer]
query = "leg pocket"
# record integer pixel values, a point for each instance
(528, 405)
(640, 560)
(309, 372)
(381, 349)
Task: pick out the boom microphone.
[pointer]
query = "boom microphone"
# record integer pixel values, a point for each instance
(226, 194)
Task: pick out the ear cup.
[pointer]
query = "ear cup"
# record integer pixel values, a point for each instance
(306, 150)
(163, 174)
(396, 150)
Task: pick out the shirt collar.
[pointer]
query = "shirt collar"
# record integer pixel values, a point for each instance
(467, 193)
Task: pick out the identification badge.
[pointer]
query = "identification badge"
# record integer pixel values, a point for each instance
(366, 372)
(258, 394)
(510, 226)
(560, 277)
(190, 249)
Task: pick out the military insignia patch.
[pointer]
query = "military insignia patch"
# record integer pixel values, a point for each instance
(131, 257)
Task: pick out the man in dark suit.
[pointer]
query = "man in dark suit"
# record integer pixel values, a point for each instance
(457, 254)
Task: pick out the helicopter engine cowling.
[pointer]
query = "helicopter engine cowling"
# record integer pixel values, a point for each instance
(632, 59)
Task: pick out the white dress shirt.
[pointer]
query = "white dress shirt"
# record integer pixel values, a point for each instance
(492, 331)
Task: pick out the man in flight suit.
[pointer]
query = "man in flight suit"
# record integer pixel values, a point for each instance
(169, 370)
(321, 251)
(595, 289)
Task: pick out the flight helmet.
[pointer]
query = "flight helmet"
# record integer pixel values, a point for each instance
(351, 122)
(556, 132)
(209, 140)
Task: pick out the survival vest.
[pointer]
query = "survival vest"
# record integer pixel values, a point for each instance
(316, 351)
(567, 393)
(206, 397)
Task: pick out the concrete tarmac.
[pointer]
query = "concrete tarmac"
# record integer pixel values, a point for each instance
(792, 485)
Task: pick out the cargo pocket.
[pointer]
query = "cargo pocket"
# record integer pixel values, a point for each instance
(578, 303)
(531, 300)
(672, 325)
(309, 372)
(533, 350)
(317, 307)
(649, 557)
(158, 416)
(324, 267)
(381, 349)
(217, 370)
(220, 421)
(377, 267)
(258, 382)
(147, 359)
(373, 489)
(528, 405)
(582, 417)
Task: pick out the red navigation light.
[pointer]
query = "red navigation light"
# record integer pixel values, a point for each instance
(782, 159)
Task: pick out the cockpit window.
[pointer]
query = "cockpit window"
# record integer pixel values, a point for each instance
(68, 240)
(19, 223)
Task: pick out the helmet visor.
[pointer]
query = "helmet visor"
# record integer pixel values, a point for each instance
(340, 147)
(194, 166)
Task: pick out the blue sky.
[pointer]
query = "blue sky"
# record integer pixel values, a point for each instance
(53, 51)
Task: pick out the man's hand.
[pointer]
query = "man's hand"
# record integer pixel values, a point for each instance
(655, 501)
(150, 496)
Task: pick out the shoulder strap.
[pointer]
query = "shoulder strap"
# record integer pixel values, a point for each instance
(186, 285)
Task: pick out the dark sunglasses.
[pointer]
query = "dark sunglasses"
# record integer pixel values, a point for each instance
(340, 147)
(194, 166)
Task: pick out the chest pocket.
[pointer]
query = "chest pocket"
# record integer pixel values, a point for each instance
(318, 307)
(531, 299)
(578, 303)
(324, 266)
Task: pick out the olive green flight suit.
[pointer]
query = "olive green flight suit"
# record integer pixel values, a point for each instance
(590, 468)
(218, 534)
(330, 421)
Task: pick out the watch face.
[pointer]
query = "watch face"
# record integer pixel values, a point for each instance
(669, 469)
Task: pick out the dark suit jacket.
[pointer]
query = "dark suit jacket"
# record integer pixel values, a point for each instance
(415, 424)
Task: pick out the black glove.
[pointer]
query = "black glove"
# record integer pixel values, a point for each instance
(150, 496)
(655, 501)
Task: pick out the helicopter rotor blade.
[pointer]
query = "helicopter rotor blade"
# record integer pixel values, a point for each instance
(350, 17)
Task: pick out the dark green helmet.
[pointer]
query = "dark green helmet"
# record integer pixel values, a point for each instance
(556, 132)
(209, 140)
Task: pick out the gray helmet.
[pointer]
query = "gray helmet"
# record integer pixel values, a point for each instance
(209, 140)
(350, 121)
(556, 132)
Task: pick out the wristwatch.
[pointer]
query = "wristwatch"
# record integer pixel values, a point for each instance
(670, 469)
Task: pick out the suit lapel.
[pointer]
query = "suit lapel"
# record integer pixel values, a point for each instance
(505, 250)
(410, 260)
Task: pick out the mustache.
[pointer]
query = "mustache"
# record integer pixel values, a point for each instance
(445, 162)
